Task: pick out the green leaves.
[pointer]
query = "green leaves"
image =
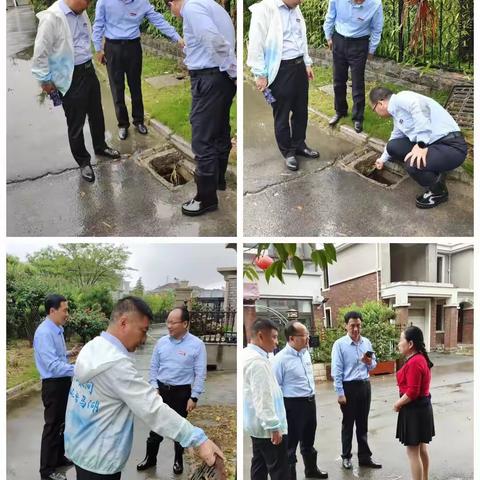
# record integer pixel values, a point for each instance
(298, 264)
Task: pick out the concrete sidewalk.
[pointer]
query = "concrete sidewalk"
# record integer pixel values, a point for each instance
(325, 199)
(43, 178)
(25, 425)
(451, 450)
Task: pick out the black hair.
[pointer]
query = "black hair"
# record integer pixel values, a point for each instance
(263, 324)
(185, 315)
(352, 314)
(378, 94)
(290, 329)
(53, 301)
(131, 304)
(415, 335)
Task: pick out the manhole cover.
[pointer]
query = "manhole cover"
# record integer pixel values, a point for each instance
(365, 167)
(170, 167)
(460, 105)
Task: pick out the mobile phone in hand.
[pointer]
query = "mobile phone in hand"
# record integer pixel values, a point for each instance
(369, 354)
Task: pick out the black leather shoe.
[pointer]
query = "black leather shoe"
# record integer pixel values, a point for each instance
(122, 133)
(335, 119)
(87, 173)
(358, 126)
(370, 464)
(292, 163)
(141, 128)
(194, 208)
(222, 185)
(430, 199)
(178, 467)
(108, 152)
(307, 153)
(347, 464)
(55, 476)
(147, 462)
(65, 462)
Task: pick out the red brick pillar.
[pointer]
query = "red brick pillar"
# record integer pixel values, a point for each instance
(467, 333)
(318, 320)
(401, 316)
(451, 327)
(433, 324)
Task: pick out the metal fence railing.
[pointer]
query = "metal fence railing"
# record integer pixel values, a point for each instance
(214, 326)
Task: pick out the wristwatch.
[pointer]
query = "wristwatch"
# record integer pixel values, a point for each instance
(195, 399)
(422, 144)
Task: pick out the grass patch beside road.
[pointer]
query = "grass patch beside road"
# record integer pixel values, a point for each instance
(20, 363)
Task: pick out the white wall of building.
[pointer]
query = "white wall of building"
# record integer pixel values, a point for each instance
(461, 269)
(308, 286)
(353, 261)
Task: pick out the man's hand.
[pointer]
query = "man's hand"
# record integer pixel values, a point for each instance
(48, 88)
(276, 437)
(330, 44)
(342, 400)
(181, 44)
(366, 360)
(370, 56)
(76, 350)
(262, 83)
(101, 57)
(191, 405)
(396, 407)
(418, 155)
(207, 451)
(310, 73)
(378, 164)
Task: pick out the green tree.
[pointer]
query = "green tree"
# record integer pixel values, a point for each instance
(82, 264)
(160, 303)
(87, 323)
(94, 298)
(139, 289)
(287, 252)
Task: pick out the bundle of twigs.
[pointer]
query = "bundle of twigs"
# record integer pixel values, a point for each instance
(425, 21)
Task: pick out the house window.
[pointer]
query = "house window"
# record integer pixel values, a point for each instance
(328, 317)
(326, 281)
(439, 323)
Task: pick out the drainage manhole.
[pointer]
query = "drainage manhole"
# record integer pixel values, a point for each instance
(460, 105)
(170, 167)
(386, 177)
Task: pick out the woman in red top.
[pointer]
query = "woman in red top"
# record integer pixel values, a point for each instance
(415, 427)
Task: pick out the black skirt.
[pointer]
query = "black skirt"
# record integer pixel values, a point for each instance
(415, 422)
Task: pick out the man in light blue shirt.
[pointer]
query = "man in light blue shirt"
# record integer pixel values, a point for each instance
(352, 360)
(425, 138)
(62, 64)
(178, 370)
(51, 359)
(119, 22)
(353, 29)
(211, 61)
(294, 372)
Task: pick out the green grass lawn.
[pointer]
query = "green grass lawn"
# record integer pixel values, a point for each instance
(171, 106)
(20, 363)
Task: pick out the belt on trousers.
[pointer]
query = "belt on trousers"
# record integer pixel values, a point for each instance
(122, 42)
(354, 39)
(56, 380)
(204, 71)
(292, 61)
(84, 66)
(356, 381)
(450, 136)
(311, 398)
(165, 386)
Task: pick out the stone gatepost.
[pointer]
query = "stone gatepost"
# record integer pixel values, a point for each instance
(250, 296)
(401, 315)
(451, 327)
(183, 295)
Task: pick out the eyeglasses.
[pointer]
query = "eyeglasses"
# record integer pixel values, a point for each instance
(304, 335)
(374, 107)
(169, 324)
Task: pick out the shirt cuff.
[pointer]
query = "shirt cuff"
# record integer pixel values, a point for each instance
(196, 438)
(340, 392)
(176, 38)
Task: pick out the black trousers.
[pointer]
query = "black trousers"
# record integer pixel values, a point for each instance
(358, 394)
(83, 99)
(177, 399)
(124, 58)
(212, 96)
(290, 111)
(302, 424)
(442, 156)
(269, 459)
(54, 397)
(86, 475)
(349, 53)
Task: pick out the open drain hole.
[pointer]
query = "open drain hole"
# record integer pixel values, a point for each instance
(384, 177)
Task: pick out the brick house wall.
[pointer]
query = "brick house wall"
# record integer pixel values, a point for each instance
(357, 290)
(467, 331)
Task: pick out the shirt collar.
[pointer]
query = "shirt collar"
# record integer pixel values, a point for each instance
(292, 351)
(56, 328)
(178, 340)
(280, 4)
(391, 103)
(351, 342)
(261, 351)
(115, 342)
(65, 8)
(183, 6)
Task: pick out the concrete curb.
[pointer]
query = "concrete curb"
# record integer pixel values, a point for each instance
(24, 388)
